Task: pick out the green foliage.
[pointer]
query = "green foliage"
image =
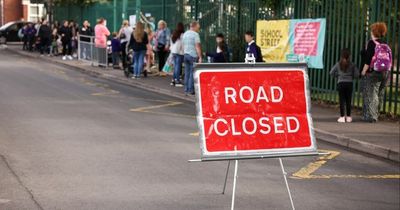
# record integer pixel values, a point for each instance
(272, 4)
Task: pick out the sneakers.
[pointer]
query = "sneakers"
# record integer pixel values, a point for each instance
(70, 57)
(64, 58)
(172, 83)
(178, 84)
(341, 120)
(345, 119)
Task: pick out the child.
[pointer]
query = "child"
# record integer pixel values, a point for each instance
(345, 72)
(116, 50)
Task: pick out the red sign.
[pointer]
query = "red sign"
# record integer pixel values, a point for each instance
(254, 112)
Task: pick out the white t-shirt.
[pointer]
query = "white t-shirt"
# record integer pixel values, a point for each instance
(128, 33)
(177, 47)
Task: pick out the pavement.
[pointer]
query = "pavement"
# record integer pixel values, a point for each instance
(70, 140)
(379, 139)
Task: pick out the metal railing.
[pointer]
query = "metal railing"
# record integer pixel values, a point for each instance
(87, 51)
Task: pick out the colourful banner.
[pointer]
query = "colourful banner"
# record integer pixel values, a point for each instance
(298, 40)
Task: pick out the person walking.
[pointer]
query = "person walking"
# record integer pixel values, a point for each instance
(345, 73)
(85, 41)
(162, 44)
(116, 50)
(374, 79)
(192, 53)
(138, 43)
(177, 52)
(66, 36)
(101, 33)
(125, 36)
(45, 37)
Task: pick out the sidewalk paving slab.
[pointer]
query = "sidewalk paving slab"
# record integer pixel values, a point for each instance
(380, 139)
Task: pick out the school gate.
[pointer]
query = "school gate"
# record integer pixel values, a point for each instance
(347, 26)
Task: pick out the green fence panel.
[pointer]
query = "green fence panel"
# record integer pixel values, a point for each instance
(347, 27)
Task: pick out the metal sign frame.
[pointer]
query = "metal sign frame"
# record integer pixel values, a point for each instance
(253, 154)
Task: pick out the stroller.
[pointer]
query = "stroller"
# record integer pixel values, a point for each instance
(128, 70)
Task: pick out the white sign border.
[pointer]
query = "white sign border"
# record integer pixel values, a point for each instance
(262, 153)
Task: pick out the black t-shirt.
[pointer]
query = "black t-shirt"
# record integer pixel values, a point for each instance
(368, 53)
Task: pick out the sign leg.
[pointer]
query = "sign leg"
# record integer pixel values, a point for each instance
(226, 176)
(286, 182)
(234, 185)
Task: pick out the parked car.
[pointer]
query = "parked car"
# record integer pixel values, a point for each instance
(9, 31)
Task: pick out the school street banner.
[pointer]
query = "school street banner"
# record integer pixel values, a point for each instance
(296, 40)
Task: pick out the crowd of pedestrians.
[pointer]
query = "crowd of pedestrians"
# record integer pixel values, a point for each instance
(136, 48)
(52, 40)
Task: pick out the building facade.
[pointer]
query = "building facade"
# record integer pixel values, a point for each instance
(13, 10)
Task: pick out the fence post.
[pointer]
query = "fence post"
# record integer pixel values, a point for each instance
(196, 10)
(114, 15)
(138, 8)
(124, 6)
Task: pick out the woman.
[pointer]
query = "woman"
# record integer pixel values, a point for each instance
(101, 33)
(149, 53)
(345, 72)
(162, 42)
(177, 52)
(125, 35)
(374, 82)
(138, 43)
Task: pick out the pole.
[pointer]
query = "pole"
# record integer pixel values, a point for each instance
(226, 176)
(114, 15)
(234, 185)
(138, 8)
(196, 10)
(286, 182)
(124, 6)
(163, 9)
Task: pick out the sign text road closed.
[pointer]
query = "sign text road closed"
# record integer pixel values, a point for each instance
(254, 111)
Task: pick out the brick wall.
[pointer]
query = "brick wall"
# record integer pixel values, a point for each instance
(12, 10)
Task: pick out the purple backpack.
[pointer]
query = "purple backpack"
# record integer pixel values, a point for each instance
(382, 60)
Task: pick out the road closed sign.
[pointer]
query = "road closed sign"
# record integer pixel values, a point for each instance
(254, 111)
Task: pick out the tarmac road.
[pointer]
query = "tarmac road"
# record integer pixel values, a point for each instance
(71, 141)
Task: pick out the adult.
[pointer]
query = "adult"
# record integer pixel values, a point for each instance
(30, 36)
(45, 37)
(177, 52)
(138, 43)
(162, 44)
(85, 41)
(101, 33)
(192, 54)
(125, 36)
(221, 54)
(374, 82)
(66, 37)
(252, 48)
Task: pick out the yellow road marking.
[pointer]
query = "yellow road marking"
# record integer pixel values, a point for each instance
(107, 93)
(146, 108)
(307, 171)
(194, 134)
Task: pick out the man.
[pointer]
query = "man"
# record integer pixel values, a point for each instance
(85, 31)
(252, 47)
(66, 37)
(45, 37)
(192, 53)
